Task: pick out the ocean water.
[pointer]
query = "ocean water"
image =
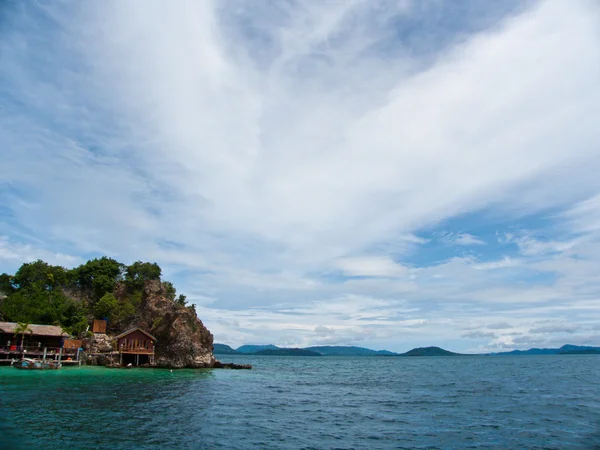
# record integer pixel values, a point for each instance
(524, 402)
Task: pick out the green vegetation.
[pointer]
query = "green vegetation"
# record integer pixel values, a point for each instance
(223, 349)
(111, 309)
(255, 348)
(21, 329)
(98, 276)
(429, 351)
(140, 272)
(104, 288)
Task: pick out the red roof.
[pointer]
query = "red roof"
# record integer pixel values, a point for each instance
(135, 329)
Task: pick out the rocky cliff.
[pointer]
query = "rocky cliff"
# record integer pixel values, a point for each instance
(182, 338)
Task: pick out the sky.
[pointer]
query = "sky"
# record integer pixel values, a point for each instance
(388, 174)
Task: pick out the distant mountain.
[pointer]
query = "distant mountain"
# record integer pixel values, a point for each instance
(255, 348)
(341, 350)
(578, 350)
(325, 350)
(349, 351)
(222, 349)
(584, 351)
(564, 350)
(531, 351)
(287, 352)
(429, 351)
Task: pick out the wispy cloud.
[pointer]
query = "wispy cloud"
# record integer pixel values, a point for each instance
(531, 245)
(256, 151)
(465, 239)
(499, 264)
(478, 334)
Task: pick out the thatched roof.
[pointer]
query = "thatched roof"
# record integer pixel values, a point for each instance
(36, 330)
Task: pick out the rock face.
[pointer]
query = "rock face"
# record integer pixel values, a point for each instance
(220, 365)
(182, 338)
(99, 343)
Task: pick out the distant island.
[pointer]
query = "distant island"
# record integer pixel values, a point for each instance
(286, 352)
(429, 351)
(274, 350)
(564, 350)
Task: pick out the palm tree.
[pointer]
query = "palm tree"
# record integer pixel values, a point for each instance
(22, 328)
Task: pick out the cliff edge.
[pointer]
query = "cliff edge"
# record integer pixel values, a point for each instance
(182, 339)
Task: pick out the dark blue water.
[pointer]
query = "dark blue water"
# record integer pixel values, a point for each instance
(290, 402)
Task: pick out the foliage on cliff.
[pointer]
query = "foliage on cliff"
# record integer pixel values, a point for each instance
(183, 340)
(101, 288)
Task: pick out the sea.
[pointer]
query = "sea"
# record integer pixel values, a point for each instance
(478, 402)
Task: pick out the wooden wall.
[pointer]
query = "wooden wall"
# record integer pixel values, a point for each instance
(99, 326)
(72, 344)
(134, 341)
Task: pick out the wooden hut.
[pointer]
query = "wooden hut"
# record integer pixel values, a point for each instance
(35, 342)
(136, 346)
(36, 336)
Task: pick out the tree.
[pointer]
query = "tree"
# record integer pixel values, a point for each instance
(22, 328)
(74, 317)
(31, 306)
(45, 294)
(100, 275)
(115, 311)
(108, 307)
(39, 275)
(139, 272)
(36, 294)
(6, 286)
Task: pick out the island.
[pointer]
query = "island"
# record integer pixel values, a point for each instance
(113, 315)
(273, 350)
(333, 350)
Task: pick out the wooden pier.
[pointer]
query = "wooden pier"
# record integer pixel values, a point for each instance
(12, 354)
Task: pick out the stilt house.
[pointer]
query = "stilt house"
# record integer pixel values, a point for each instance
(136, 347)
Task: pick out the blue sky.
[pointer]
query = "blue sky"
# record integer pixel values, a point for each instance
(387, 174)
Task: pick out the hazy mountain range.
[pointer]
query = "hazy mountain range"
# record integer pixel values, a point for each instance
(222, 349)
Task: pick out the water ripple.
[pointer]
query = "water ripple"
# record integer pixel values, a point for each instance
(428, 403)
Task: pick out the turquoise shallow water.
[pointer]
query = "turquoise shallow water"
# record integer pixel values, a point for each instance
(295, 402)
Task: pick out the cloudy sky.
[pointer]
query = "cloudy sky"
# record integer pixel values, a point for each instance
(388, 174)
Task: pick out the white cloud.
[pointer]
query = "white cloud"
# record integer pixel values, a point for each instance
(499, 326)
(584, 216)
(274, 144)
(13, 253)
(370, 266)
(208, 126)
(499, 264)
